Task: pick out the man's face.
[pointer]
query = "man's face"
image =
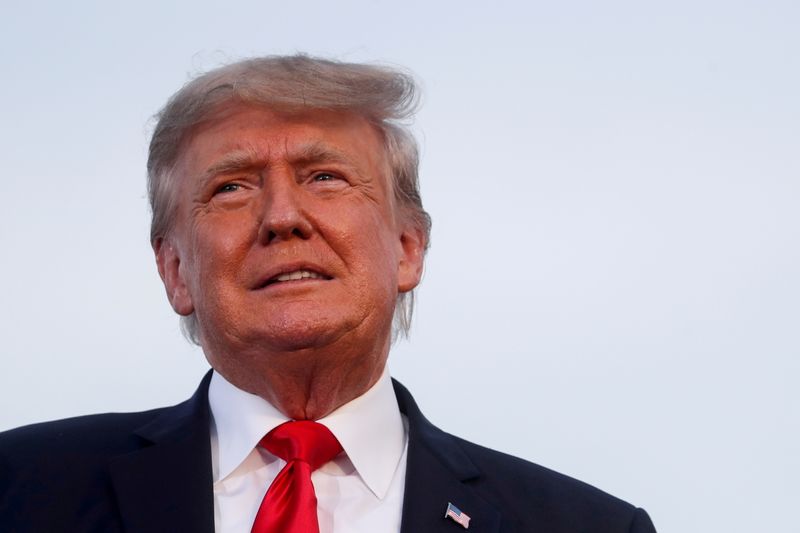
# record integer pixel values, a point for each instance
(286, 234)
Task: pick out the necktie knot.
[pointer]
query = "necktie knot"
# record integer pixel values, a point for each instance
(290, 505)
(302, 440)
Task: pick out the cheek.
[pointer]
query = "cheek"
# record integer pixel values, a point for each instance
(377, 254)
(359, 229)
(219, 249)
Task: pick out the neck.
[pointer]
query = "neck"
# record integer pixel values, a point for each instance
(308, 383)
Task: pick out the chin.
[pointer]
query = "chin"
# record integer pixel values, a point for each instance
(292, 333)
(294, 339)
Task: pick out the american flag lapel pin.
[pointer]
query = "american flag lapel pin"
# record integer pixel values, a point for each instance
(457, 515)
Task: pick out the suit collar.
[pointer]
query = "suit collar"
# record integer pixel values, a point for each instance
(439, 471)
(166, 484)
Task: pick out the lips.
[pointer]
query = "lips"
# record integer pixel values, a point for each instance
(292, 273)
(297, 274)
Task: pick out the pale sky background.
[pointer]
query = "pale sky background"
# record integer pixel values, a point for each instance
(612, 289)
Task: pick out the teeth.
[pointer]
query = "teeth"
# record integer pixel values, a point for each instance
(298, 274)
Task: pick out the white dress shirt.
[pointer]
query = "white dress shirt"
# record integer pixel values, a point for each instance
(361, 490)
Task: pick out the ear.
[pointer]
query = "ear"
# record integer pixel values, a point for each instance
(169, 268)
(412, 258)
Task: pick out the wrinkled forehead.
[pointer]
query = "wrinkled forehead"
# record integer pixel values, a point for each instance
(236, 130)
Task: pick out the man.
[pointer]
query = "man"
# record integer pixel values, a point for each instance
(289, 233)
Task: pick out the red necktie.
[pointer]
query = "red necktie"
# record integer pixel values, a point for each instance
(290, 505)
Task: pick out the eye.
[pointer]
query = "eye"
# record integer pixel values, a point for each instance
(325, 176)
(228, 187)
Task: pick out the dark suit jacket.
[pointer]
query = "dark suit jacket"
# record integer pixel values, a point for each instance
(150, 472)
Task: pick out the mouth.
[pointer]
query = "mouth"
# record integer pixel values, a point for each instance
(293, 275)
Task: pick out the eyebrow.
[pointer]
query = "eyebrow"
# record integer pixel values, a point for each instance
(249, 158)
(319, 152)
(235, 161)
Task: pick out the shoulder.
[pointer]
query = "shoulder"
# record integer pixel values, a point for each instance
(544, 496)
(522, 476)
(72, 448)
(59, 454)
(83, 435)
(99, 436)
(527, 496)
(60, 466)
(66, 475)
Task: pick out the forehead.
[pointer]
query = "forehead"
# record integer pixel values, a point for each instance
(243, 131)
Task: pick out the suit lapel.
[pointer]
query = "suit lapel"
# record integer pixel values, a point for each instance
(167, 484)
(437, 472)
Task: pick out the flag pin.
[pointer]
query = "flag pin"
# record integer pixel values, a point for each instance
(457, 515)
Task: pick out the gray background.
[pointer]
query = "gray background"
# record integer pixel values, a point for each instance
(612, 289)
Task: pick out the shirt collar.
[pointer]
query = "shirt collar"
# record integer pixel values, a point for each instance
(370, 429)
(240, 420)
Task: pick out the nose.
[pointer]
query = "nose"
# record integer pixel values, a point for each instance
(284, 215)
